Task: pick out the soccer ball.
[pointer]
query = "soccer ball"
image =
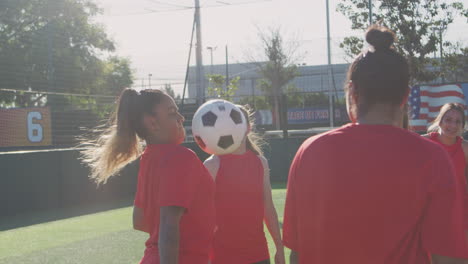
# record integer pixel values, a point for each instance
(219, 127)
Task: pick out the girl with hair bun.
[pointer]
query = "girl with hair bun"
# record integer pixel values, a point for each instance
(370, 191)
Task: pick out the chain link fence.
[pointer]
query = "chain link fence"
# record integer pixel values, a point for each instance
(42, 120)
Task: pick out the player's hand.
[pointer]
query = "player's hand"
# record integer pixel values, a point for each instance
(279, 257)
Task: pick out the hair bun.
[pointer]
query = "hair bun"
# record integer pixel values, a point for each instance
(380, 37)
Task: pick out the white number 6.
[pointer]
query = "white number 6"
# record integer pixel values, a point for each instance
(34, 137)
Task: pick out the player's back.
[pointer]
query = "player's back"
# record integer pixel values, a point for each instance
(361, 195)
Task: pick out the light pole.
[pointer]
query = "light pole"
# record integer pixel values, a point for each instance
(441, 47)
(370, 12)
(199, 58)
(330, 73)
(211, 49)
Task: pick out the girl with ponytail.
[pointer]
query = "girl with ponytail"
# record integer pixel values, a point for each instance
(174, 202)
(243, 203)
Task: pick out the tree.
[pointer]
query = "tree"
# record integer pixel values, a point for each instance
(55, 46)
(256, 102)
(414, 22)
(294, 97)
(168, 89)
(117, 74)
(279, 68)
(456, 63)
(216, 89)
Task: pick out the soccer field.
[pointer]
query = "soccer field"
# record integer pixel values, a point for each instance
(105, 237)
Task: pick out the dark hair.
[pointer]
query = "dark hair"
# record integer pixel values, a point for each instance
(379, 74)
(131, 107)
(119, 144)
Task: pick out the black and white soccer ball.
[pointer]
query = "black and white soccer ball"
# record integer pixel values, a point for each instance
(219, 127)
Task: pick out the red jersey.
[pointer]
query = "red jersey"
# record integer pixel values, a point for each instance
(172, 175)
(366, 194)
(239, 237)
(457, 155)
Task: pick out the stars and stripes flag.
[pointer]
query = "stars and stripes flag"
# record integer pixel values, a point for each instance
(425, 102)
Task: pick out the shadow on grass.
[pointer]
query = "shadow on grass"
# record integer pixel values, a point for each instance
(38, 217)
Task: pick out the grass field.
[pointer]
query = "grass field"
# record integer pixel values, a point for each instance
(105, 237)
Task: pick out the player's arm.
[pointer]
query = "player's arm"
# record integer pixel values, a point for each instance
(294, 257)
(212, 165)
(270, 215)
(465, 150)
(138, 220)
(169, 234)
(290, 233)
(442, 231)
(436, 259)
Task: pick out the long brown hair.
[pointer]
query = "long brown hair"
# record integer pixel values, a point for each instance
(435, 125)
(254, 141)
(379, 74)
(120, 144)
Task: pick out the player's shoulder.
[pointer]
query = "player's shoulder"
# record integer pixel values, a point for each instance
(464, 142)
(212, 164)
(421, 143)
(426, 135)
(314, 142)
(425, 140)
(425, 147)
(183, 153)
(465, 145)
(264, 161)
(211, 160)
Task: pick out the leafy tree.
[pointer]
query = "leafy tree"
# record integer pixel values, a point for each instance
(168, 89)
(216, 89)
(416, 23)
(456, 64)
(55, 46)
(278, 69)
(256, 102)
(117, 75)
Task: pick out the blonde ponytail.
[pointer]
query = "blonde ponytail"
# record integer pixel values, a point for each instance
(121, 143)
(254, 141)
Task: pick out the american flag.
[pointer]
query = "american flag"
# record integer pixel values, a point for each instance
(425, 102)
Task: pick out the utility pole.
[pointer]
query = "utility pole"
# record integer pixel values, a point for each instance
(149, 80)
(227, 68)
(188, 63)
(370, 12)
(200, 72)
(330, 84)
(441, 48)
